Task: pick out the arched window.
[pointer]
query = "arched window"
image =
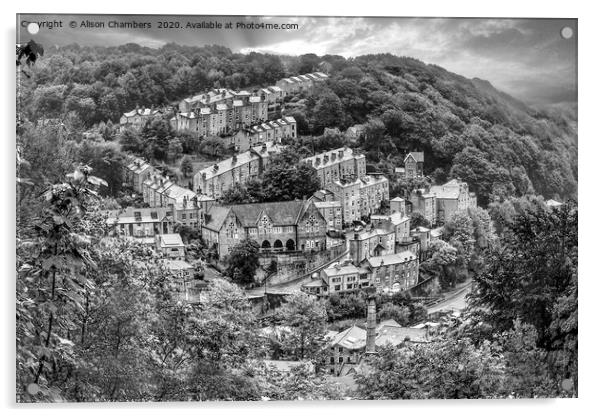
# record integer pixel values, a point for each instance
(278, 244)
(290, 244)
(266, 245)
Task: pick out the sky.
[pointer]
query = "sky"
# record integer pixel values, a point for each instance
(527, 58)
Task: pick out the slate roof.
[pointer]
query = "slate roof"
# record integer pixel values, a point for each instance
(395, 335)
(170, 240)
(147, 215)
(343, 270)
(417, 156)
(217, 216)
(353, 338)
(281, 213)
(392, 259)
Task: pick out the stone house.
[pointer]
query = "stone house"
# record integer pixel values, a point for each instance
(277, 227)
(452, 197)
(170, 245)
(414, 162)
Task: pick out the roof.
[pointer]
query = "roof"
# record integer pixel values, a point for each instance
(396, 335)
(143, 112)
(389, 322)
(553, 203)
(373, 233)
(275, 88)
(342, 270)
(178, 193)
(353, 338)
(395, 218)
(347, 154)
(281, 213)
(416, 156)
(392, 259)
(137, 215)
(397, 199)
(241, 159)
(171, 239)
(437, 232)
(327, 204)
(217, 215)
(449, 190)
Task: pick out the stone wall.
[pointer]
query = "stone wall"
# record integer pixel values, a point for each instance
(294, 265)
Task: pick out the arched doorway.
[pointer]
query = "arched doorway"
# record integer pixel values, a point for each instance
(266, 245)
(290, 244)
(278, 244)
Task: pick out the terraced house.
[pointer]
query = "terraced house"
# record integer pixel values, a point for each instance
(341, 164)
(281, 226)
(215, 180)
(137, 118)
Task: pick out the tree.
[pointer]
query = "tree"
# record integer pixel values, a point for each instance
(328, 112)
(531, 275)
(288, 179)
(243, 261)
(306, 317)
(53, 257)
(131, 142)
(442, 369)
(186, 167)
(237, 194)
(418, 220)
(443, 262)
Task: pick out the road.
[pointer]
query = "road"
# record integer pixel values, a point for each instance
(453, 301)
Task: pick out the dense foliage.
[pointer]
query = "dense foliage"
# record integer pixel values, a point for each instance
(466, 128)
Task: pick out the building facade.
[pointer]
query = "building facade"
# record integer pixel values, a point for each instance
(217, 179)
(277, 227)
(414, 164)
(452, 197)
(137, 118)
(340, 164)
(271, 131)
(140, 223)
(425, 203)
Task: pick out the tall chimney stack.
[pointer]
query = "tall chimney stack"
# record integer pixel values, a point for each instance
(371, 323)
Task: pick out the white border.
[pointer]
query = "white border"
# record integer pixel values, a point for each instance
(589, 126)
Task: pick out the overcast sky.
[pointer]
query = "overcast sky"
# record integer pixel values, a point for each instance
(527, 58)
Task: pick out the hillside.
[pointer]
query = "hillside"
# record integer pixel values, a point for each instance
(467, 128)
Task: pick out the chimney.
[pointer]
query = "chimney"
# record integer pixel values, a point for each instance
(234, 159)
(371, 323)
(333, 156)
(341, 154)
(325, 159)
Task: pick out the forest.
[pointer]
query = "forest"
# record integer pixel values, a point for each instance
(467, 128)
(96, 320)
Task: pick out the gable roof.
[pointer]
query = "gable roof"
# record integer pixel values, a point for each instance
(217, 216)
(416, 156)
(281, 213)
(171, 239)
(353, 338)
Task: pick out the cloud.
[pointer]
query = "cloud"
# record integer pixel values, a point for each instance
(524, 57)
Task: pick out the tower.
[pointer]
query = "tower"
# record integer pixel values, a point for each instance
(371, 322)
